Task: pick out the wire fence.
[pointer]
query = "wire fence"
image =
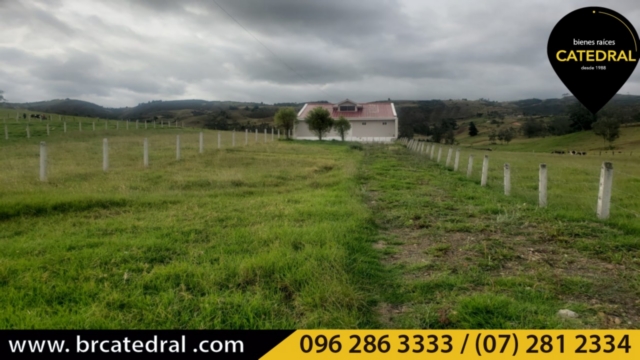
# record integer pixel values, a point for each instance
(582, 184)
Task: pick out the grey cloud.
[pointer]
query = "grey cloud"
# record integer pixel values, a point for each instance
(121, 52)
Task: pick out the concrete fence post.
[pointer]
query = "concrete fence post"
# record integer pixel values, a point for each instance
(79, 126)
(145, 153)
(93, 126)
(201, 142)
(485, 171)
(271, 134)
(256, 135)
(106, 125)
(6, 132)
(456, 162)
(432, 151)
(265, 135)
(470, 166)
(145, 125)
(136, 124)
(604, 193)
(48, 132)
(64, 126)
(154, 124)
(219, 140)
(542, 186)
(507, 179)
(117, 125)
(28, 132)
(233, 138)
(105, 155)
(439, 153)
(43, 161)
(177, 147)
(127, 124)
(449, 153)
(278, 134)
(246, 137)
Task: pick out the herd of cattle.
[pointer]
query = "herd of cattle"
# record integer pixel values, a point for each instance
(36, 116)
(572, 152)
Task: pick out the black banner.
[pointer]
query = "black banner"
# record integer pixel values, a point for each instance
(139, 344)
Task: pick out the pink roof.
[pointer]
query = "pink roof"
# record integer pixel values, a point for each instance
(381, 110)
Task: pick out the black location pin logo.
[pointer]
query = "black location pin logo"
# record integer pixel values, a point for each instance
(593, 50)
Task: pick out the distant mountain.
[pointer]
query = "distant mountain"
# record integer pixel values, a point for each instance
(69, 107)
(416, 116)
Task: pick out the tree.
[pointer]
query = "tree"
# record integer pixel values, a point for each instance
(492, 136)
(506, 134)
(559, 125)
(286, 118)
(608, 128)
(449, 137)
(319, 121)
(581, 118)
(532, 128)
(341, 126)
(443, 129)
(2, 99)
(473, 130)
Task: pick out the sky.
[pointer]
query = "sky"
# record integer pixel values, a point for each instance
(120, 53)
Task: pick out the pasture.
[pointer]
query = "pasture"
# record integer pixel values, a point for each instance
(264, 236)
(290, 234)
(466, 256)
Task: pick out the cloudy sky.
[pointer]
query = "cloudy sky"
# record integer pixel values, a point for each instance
(120, 53)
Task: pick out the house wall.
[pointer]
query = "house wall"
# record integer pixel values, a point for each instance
(372, 131)
(302, 131)
(373, 128)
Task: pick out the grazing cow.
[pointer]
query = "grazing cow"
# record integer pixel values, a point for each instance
(557, 152)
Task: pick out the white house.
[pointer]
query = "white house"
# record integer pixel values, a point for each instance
(376, 121)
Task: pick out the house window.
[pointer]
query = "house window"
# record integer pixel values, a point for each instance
(384, 123)
(364, 123)
(348, 108)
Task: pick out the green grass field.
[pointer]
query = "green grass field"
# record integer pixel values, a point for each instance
(466, 256)
(289, 234)
(264, 236)
(629, 141)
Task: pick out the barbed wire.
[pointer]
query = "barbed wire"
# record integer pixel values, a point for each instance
(625, 174)
(627, 210)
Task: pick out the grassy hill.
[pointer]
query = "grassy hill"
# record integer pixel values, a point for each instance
(303, 234)
(629, 140)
